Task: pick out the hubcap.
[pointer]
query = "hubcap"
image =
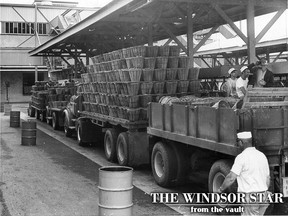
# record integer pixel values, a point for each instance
(66, 126)
(78, 134)
(108, 146)
(121, 153)
(159, 164)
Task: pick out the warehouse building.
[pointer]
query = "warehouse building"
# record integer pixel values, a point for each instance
(22, 28)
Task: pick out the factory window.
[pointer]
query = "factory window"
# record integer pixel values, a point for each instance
(23, 28)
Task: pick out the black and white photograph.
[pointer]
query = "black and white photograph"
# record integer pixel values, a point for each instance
(143, 107)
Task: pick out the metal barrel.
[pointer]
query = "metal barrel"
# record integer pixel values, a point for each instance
(115, 190)
(7, 109)
(28, 133)
(14, 118)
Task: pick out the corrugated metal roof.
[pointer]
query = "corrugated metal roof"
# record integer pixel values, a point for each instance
(124, 23)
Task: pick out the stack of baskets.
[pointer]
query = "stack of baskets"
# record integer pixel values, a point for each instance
(59, 96)
(123, 82)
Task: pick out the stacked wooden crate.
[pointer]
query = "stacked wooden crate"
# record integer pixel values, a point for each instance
(39, 94)
(122, 83)
(59, 96)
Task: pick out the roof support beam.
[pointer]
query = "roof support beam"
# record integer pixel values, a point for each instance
(278, 56)
(190, 44)
(251, 32)
(202, 58)
(231, 23)
(268, 26)
(207, 36)
(170, 33)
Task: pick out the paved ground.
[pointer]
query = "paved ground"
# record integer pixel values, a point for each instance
(52, 179)
(58, 177)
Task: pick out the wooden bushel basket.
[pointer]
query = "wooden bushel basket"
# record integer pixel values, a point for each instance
(135, 75)
(146, 87)
(158, 87)
(171, 73)
(148, 74)
(124, 75)
(160, 74)
(152, 51)
(183, 86)
(149, 62)
(164, 50)
(174, 51)
(161, 62)
(171, 87)
(182, 73)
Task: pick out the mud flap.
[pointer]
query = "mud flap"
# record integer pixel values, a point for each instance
(138, 149)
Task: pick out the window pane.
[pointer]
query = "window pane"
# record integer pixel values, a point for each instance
(44, 28)
(19, 27)
(32, 28)
(23, 28)
(7, 27)
(40, 28)
(15, 27)
(27, 28)
(11, 28)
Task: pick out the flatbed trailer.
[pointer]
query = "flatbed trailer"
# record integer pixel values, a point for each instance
(181, 134)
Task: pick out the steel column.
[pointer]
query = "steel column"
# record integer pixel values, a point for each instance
(251, 32)
(190, 51)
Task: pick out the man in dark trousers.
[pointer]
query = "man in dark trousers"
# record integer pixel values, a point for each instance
(262, 77)
(251, 169)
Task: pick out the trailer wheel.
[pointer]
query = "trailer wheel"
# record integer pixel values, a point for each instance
(55, 123)
(37, 114)
(79, 130)
(217, 174)
(122, 149)
(48, 121)
(31, 112)
(110, 141)
(68, 132)
(164, 164)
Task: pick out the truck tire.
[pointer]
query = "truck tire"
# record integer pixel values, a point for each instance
(55, 124)
(79, 130)
(182, 164)
(48, 121)
(164, 164)
(68, 132)
(122, 149)
(37, 114)
(217, 174)
(110, 141)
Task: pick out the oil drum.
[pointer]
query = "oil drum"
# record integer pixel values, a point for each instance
(29, 130)
(14, 118)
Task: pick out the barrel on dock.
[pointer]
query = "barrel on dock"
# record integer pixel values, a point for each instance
(29, 130)
(7, 109)
(14, 118)
(115, 190)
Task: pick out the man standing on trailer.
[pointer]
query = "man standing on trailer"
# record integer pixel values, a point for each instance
(242, 82)
(251, 169)
(262, 77)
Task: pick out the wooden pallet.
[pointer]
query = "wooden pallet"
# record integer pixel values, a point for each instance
(266, 97)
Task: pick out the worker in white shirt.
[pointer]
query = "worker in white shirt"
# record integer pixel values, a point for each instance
(251, 169)
(242, 82)
(230, 85)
